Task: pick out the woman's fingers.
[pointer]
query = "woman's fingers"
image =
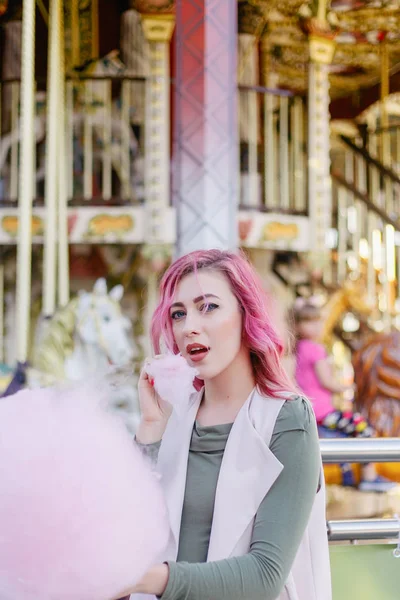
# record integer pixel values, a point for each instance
(144, 376)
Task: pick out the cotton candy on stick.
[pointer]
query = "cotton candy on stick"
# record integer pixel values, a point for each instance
(82, 516)
(173, 378)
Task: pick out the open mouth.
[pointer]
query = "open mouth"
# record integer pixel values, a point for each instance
(197, 352)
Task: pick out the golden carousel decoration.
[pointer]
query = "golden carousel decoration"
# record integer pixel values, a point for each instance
(285, 30)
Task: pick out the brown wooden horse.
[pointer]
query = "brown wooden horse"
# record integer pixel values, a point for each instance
(377, 378)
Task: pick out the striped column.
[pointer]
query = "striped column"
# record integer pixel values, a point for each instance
(205, 156)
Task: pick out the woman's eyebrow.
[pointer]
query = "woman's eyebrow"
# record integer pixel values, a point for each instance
(195, 300)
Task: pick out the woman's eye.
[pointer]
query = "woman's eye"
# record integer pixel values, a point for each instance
(208, 307)
(178, 314)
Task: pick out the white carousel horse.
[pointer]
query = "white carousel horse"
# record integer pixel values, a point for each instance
(89, 336)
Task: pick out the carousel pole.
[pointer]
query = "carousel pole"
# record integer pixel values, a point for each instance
(24, 250)
(63, 243)
(52, 160)
(322, 49)
(158, 30)
(372, 219)
(388, 239)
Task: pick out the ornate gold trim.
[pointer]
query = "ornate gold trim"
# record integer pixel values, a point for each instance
(158, 28)
(322, 49)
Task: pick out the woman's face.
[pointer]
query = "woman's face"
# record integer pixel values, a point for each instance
(207, 322)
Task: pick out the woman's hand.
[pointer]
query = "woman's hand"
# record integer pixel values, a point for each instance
(154, 582)
(155, 411)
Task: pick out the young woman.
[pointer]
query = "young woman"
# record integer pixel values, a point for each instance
(241, 470)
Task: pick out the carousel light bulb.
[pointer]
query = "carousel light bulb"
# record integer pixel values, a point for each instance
(331, 238)
(378, 326)
(390, 253)
(350, 323)
(352, 219)
(363, 249)
(377, 249)
(382, 302)
(352, 262)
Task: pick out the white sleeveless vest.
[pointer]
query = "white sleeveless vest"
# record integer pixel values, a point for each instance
(248, 464)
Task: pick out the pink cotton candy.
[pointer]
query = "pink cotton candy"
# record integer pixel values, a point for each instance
(82, 516)
(173, 378)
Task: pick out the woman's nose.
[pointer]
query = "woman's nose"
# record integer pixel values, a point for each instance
(191, 324)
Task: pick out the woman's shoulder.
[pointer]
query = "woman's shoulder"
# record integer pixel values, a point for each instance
(296, 414)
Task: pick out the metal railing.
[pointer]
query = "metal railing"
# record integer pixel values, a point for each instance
(363, 529)
(362, 451)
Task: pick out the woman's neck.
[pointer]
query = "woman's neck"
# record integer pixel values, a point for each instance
(225, 394)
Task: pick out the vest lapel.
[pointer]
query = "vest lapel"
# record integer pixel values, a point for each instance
(248, 470)
(172, 465)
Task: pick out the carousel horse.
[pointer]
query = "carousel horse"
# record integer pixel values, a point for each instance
(348, 298)
(369, 376)
(90, 335)
(376, 366)
(377, 377)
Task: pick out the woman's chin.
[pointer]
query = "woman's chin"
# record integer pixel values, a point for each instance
(202, 372)
(207, 372)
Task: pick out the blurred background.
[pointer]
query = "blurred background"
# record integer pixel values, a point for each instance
(132, 132)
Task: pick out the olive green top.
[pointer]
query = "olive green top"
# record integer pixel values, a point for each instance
(279, 524)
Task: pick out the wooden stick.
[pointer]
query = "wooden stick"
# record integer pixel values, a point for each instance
(88, 141)
(125, 141)
(269, 152)
(107, 163)
(284, 152)
(252, 115)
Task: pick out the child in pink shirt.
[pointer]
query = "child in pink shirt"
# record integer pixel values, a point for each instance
(315, 378)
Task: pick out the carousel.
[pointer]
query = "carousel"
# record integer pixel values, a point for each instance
(93, 98)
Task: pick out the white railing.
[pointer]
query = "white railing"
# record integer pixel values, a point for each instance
(385, 144)
(273, 136)
(366, 223)
(105, 139)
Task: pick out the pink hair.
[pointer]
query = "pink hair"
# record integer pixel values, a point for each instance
(265, 346)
